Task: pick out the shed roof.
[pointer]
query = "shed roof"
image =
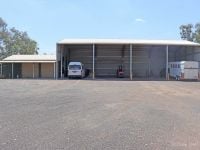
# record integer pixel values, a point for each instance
(30, 59)
(129, 41)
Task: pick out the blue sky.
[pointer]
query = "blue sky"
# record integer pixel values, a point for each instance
(48, 21)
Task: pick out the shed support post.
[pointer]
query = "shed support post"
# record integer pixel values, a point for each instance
(131, 62)
(12, 71)
(61, 64)
(33, 70)
(54, 69)
(1, 69)
(167, 61)
(57, 67)
(93, 61)
(64, 64)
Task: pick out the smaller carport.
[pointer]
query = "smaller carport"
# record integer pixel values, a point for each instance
(28, 66)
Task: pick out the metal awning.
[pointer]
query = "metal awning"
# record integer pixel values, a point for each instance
(27, 61)
(129, 41)
(30, 59)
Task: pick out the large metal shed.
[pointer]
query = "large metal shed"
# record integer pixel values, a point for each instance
(28, 66)
(140, 58)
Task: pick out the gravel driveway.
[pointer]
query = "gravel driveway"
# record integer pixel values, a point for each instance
(87, 115)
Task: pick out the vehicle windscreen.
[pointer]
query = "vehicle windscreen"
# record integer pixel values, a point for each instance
(74, 67)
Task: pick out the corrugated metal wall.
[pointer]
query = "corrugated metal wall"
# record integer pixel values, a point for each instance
(157, 61)
(82, 53)
(7, 70)
(47, 70)
(140, 61)
(109, 57)
(17, 70)
(27, 70)
(148, 61)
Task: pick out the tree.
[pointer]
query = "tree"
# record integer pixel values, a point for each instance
(3, 38)
(197, 33)
(187, 32)
(13, 41)
(190, 32)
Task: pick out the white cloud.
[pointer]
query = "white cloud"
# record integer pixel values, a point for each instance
(140, 20)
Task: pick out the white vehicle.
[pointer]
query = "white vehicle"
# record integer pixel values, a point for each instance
(76, 69)
(183, 70)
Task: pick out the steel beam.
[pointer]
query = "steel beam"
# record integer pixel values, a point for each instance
(1, 69)
(93, 61)
(61, 64)
(54, 69)
(57, 67)
(131, 62)
(167, 62)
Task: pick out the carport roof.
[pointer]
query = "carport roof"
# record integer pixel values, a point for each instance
(129, 41)
(30, 59)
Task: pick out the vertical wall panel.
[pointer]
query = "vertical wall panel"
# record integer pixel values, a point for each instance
(27, 70)
(109, 58)
(158, 61)
(47, 70)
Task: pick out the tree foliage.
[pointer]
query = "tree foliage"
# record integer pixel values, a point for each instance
(190, 32)
(197, 33)
(13, 41)
(186, 32)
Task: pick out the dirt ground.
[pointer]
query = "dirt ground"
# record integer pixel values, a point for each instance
(87, 115)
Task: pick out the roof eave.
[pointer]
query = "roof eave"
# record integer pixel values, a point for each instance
(39, 61)
(128, 42)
